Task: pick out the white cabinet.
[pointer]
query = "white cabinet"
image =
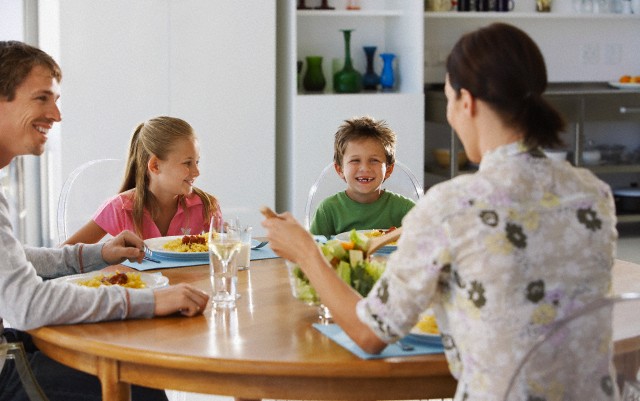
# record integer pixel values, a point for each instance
(307, 122)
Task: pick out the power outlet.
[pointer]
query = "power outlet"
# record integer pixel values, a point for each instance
(590, 54)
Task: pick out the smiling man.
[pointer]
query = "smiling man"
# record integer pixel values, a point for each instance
(29, 90)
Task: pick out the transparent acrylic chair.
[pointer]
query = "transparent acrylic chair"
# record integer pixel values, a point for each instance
(402, 181)
(86, 188)
(552, 369)
(15, 351)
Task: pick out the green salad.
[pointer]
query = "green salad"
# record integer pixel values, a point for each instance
(348, 261)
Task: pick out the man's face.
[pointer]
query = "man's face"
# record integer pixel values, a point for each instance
(26, 120)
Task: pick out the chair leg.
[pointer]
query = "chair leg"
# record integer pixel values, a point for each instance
(31, 386)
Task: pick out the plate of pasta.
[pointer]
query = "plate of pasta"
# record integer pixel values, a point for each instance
(183, 247)
(426, 331)
(133, 280)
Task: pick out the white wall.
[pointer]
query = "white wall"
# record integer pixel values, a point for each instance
(11, 20)
(210, 63)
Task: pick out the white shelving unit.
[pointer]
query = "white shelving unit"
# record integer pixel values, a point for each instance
(307, 122)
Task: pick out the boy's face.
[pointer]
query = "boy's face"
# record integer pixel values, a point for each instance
(364, 168)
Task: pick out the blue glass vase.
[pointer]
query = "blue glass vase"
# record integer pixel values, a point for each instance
(370, 79)
(387, 78)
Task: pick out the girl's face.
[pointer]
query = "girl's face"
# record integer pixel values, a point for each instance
(176, 174)
(364, 168)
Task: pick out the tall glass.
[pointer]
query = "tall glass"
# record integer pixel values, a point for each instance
(224, 244)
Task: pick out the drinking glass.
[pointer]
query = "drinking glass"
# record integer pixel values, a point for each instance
(224, 244)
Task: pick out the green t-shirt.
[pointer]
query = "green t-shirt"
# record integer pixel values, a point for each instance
(339, 213)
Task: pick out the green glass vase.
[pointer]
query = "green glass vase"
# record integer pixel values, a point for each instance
(347, 80)
(313, 80)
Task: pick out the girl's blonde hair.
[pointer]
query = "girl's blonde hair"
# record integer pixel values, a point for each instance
(158, 137)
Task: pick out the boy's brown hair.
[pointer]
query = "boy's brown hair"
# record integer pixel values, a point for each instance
(362, 128)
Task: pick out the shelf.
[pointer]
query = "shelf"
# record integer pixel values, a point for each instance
(628, 218)
(522, 15)
(349, 13)
(614, 168)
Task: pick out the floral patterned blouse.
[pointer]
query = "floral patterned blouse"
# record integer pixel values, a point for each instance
(500, 255)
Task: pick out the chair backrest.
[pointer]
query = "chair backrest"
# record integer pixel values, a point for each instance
(565, 363)
(402, 182)
(31, 387)
(86, 188)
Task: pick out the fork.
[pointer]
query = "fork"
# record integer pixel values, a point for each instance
(405, 347)
(148, 255)
(260, 245)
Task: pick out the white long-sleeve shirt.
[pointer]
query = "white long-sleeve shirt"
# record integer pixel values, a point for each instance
(27, 302)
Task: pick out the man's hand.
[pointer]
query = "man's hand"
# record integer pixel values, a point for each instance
(182, 298)
(125, 245)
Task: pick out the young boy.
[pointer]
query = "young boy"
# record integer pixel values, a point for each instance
(364, 157)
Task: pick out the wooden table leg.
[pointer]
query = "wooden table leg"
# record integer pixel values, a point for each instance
(112, 388)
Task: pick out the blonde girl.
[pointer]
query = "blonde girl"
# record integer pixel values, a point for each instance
(157, 197)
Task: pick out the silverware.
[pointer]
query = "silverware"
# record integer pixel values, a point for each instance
(260, 245)
(405, 347)
(148, 255)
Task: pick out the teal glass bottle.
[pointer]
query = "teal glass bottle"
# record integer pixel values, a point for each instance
(347, 80)
(313, 80)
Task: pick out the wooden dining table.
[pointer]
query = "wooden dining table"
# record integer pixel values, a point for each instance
(264, 348)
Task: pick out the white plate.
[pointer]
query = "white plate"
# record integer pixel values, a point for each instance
(620, 85)
(151, 280)
(385, 249)
(424, 338)
(156, 246)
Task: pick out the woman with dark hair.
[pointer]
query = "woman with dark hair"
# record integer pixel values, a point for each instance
(499, 255)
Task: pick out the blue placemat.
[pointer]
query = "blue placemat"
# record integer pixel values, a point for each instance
(263, 253)
(334, 332)
(166, 263)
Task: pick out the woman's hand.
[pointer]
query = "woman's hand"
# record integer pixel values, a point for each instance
(125, 245)
(288, 238)
(183, 298)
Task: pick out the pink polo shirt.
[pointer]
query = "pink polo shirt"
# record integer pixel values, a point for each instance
(116, 215)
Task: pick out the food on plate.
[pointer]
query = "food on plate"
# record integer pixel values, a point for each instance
(427, 324)
(347, 258)
(378, 233)
(628, 79)
(625, 79)
(128, 280)
(188, 243)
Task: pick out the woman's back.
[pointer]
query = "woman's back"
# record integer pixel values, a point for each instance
(531, 240)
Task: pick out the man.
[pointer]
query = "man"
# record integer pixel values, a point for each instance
(29, 90)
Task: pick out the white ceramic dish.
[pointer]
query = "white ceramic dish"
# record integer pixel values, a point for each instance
(151, 280)
(620, 85)
(385, 249)
(424, 338)
(156, 246)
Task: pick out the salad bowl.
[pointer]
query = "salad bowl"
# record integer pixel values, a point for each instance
(347, 259)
